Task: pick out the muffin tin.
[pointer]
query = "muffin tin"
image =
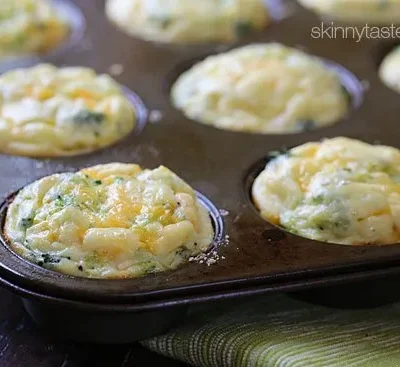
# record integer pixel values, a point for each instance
(254, 255)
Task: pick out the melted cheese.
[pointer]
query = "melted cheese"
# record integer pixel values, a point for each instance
(389, 70)
(49, 111)
(263, 88)
(188, 20)
(339, 191)
(374, 11)
(29, 26)
(108, 221)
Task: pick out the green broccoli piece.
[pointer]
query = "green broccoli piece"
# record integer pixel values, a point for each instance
(161, 21)
(305, 125)
(27, 222)
(86, 117)
(243, 29)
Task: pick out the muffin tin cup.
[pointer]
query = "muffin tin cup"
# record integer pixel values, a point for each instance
(258, 257)
(91, 310)
(43, 282)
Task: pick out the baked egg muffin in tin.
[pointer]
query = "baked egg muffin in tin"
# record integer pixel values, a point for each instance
(108, 221)
(389, 70)
(373, 11)
(183, 21)
(339, 190)
(50, 111)
(262, 88)
(30, 27)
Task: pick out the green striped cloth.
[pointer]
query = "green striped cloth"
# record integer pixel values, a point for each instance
(277, 331)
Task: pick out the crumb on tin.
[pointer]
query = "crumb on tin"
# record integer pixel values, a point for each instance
(211, 257)
(116, 69)
(155, 116)
(223, 212)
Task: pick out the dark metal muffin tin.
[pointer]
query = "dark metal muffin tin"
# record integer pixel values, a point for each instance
(220, 164)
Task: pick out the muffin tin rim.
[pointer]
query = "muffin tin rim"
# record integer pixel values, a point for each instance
(190, 296)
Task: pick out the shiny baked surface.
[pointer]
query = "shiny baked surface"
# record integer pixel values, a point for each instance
(188, 20)
(339, 191)
(50, 111)
(30, 27)
(108, 221)
(262, 88)
(375, 11)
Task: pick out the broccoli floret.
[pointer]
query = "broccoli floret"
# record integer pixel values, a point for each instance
(243, 29)
(305, 125)
(27, 222)
(161, 21)
(51, 259)
(277, 153)
(89, 117)
(63, 201)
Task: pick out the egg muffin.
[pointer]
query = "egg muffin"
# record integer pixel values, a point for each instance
(50, 111)
(373, 11)
(30, 27)
(389, 70)
(262, 88)
(182, 21)
(108, 221)
(339, 190)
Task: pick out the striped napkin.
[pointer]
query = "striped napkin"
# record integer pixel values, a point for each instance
(278, 331)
